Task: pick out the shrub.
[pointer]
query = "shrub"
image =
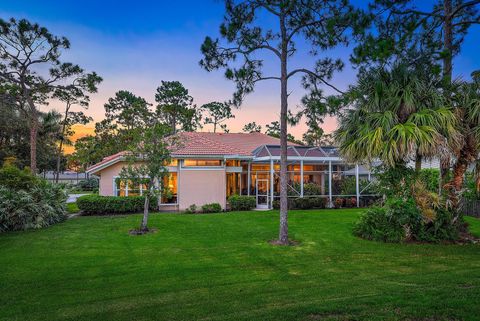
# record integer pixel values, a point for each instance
(303, 203)
(192, 209)
(338, 202)
(39, 206)
(311, 189)
(96, 204)
(351, 202)
(242, 202)
(89, 184)
(429, 176)
(401, 220)
(14, 178)
(211, 208)
(376, 225)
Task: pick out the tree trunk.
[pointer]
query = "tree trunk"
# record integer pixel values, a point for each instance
(143, 226)
(477, 177)
(33, 141)
(283, 232)
(59, 156)
(418, 163)
(447, 73)
(466, 155)
(447, 42)
(60, 146)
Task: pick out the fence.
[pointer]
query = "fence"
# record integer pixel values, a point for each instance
(471, 207)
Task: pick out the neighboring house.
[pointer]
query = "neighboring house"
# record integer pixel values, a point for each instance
(209, 167)
(68, 177)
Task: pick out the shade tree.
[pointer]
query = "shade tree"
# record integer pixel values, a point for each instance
(244, 38)
(31, 68)
(175, 107)
(217, 113)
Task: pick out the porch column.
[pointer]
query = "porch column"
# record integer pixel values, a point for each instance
(330, 183)
(301, 178)
(248, 178)
(272, 172)
(357, 185)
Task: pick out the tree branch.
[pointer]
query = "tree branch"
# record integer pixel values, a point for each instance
(314, 75)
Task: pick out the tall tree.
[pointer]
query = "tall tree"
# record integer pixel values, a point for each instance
(217, 113)
(435, 33)
(323, 24)
(30, 65)
(123, 114)
(75, 93)
(175, 107)
(15, 134)
(252, 127)
(273, 129)
(314, 109)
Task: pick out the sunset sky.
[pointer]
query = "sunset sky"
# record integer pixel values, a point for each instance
(135, 45)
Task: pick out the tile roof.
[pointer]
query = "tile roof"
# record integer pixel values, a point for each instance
(225, 144)
(205, 144)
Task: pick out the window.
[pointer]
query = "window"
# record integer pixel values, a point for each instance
(233, 184)
(169, 195)
(233, 163)
(173, 162)
(127, 188)
(202, 162)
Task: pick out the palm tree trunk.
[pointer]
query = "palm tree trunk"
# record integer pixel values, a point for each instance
(283, 232)
(418, 163)
(477, 177)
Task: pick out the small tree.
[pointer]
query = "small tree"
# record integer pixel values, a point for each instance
(323, 24)
(252, 128)
(175, 107)
(217, 114)
(148, 159)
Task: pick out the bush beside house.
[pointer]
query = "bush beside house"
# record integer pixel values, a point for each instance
(303, 203)
(241, 202)
(106, 205)
(211, 208)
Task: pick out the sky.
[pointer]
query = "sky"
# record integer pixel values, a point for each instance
(135, 45)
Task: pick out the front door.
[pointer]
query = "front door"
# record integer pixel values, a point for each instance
(262, 193)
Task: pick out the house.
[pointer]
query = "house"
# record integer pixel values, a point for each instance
(209, 167)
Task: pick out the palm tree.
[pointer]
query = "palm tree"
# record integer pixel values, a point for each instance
(466, 100)
(394, 116)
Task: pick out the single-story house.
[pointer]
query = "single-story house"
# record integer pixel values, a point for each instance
(209, 167)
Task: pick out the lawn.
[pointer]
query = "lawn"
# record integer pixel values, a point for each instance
(220, 267)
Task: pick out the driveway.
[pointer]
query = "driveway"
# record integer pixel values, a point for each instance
(72, 198)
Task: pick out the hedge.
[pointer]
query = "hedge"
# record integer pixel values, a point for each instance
(96, 204)
(242, 202)
(211, 208)
(303, 203)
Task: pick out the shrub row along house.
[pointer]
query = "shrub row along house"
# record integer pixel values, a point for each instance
(210, 167)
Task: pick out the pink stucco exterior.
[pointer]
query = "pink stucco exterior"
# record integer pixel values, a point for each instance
(201, 187)
(106, 178)
(195, 186)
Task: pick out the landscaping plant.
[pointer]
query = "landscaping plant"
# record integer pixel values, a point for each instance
(28, 202)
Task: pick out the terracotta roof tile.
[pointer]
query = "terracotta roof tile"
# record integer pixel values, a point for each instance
(203, 144)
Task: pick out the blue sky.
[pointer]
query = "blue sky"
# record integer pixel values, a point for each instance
(134, 45)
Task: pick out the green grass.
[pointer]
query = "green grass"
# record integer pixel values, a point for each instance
(220, 267)
(72, 208)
